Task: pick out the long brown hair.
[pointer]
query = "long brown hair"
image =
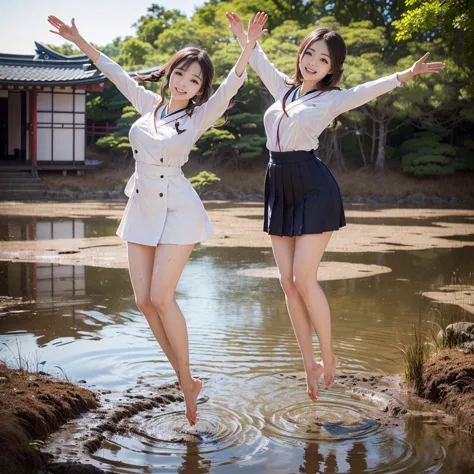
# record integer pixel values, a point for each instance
(337, 53)
(184, 58)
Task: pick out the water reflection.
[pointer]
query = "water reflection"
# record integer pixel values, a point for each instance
(193, 462)
(32, 228)
(85, 320)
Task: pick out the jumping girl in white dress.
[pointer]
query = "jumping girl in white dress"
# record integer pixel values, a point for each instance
(164, 217)
(303, 203)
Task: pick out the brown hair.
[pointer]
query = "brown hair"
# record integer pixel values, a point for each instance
(337, 52)
(184, 58)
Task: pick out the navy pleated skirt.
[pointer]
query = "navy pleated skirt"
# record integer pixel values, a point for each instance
(301, 196)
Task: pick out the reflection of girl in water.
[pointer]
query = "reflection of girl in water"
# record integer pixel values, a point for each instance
(313, 460)
(164, 217)
(303, 204)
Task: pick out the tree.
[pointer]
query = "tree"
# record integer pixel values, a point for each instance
(451, 20)
(134, 52)
(157, 20)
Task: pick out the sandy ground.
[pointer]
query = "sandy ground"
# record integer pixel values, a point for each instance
(238, 225)
(459, 295)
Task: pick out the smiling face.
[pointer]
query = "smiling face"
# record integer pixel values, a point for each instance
(315, 62)
(186, 81)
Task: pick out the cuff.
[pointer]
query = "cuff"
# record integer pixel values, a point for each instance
(394, 77)
(232, 76)
(255, 52)
(102, 57)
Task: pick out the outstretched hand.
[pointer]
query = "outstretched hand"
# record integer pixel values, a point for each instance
(235, 24)
(256, 24)
(67, 32)
(255, 29)
(420, 67)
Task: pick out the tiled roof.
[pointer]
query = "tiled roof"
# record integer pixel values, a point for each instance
(47, 74)
(49, 68)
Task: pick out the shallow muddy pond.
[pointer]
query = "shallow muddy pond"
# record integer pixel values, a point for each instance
(82, 322)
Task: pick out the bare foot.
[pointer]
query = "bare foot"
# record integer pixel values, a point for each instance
(329, 370)
(312, 381)
(190, 396)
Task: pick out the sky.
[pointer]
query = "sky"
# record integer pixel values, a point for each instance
(22, 22)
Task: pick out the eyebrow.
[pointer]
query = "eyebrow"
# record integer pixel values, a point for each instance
(324, 54)
(195, 75)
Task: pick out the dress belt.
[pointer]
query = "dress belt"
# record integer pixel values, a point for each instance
(156, 171)
(150, 171)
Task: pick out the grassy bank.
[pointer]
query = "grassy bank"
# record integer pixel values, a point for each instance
(31, 407)
(439, 365)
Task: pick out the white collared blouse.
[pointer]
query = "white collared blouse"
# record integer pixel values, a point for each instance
(310, 114)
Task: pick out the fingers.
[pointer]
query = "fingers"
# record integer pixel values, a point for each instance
(260, 18)
(423, 58)
(56, 20)
(52, 22)
(73, 21)
(261, 34)
(55, 32)
(236, 17)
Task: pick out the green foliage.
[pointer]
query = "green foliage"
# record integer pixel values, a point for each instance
(36, 444)
(451, 21)
(215, 140)
(106, 105)
(67, 49)
(203, 180)
(442, 103)
(157, 20)
(426, 156)
(134, 52)
(113, 142)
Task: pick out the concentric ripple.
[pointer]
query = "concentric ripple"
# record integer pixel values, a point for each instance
(339, 421)
(330, 420)
(165, 439)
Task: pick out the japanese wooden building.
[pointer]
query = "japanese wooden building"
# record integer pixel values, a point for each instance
(43, 109)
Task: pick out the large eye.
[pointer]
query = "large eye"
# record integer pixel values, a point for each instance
(325, 60)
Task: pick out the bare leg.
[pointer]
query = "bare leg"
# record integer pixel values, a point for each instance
(283, 251)
(140, 264)
(309, 250)
(169, 264)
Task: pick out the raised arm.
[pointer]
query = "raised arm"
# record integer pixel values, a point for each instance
(274, 80)
(207, 114)
(142, 99)
(349, 99)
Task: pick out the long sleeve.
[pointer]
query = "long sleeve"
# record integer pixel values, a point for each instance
(274, 80)
(142, 99)
(348, 99)
(205, 115)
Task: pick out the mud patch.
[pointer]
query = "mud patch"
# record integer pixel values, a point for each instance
(448, 379)
(459, 295)
(327, 271)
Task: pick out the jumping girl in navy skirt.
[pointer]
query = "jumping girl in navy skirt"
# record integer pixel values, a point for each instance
(303, 203)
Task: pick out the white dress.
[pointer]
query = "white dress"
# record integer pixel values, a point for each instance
(163, 207)
(310, 113)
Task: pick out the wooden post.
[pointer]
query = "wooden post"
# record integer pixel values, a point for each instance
(34, 128)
